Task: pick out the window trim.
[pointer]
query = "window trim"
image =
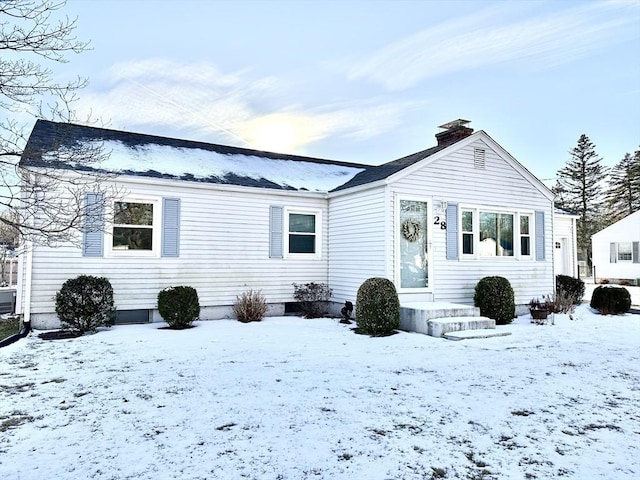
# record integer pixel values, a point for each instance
(317, 213)
(156, 227)
(517, 236)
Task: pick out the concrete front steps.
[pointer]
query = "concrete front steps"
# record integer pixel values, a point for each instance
(448, 320)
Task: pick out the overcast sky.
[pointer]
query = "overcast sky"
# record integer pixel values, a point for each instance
(367, 81)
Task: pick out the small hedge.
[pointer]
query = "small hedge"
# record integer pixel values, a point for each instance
(85, 303)
(494, 296)
(250, 306)
(611, 300)
(377, 307)
(570, 287)
(179, 306)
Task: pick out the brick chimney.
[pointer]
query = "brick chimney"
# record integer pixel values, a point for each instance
(454, 131)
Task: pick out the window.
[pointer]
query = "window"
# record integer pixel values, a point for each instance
(496, 234)
(525, 235)
(467, 232)
(302, 232)
(625, 253)
(484, 234)
(133, 226)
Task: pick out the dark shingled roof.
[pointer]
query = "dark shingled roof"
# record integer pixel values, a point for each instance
(50, 136)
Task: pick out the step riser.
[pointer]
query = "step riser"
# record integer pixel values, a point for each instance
(410, 315)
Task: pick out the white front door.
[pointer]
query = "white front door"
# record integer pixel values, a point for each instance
(413, 234)
(560, 260)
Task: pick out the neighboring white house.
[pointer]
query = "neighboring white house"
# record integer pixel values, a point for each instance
(616, 251)
(225, 220)
(565, 256)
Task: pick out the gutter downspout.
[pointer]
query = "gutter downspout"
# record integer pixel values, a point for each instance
(27, 285)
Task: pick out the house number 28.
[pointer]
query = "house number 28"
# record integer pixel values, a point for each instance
(442, 223)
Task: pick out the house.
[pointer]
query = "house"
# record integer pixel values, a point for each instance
(616, 251)
(225, 220)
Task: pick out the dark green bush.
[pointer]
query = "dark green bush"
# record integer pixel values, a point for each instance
(570, 287)
(250, 306)
(377, 307)
(611, 300)
(179, 306)
(313, 298)
(494, 296)
(85, 303)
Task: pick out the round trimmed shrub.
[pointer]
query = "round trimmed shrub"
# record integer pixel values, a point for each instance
(494, 296)
(377, 307)
(610, 300)
(179, 306)
(85, 303)
(571, 287)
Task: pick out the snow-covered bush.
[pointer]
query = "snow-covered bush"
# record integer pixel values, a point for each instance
(570, 287)
(250, 306)
(85, 303)
(313, 298)
(377, 307)
(494, 296)
(610, 300)
(179, 306)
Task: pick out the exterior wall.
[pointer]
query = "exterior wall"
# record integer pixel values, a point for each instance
(625, 230)
(224, 251)
(564, 233)
(357, 241)
(499, 186)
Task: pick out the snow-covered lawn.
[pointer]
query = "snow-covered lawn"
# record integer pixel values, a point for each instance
(290, 399)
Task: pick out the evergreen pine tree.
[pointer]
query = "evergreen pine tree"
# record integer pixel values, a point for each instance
(623, 194)
(580, 183)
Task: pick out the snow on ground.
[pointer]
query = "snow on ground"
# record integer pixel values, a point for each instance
(290, 398)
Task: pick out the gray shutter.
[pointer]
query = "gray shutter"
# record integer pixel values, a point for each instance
(276, 226)
(452, 231)
(170, 227)
(636, 252)
(93, 229)
(540, 254)
(613, 253)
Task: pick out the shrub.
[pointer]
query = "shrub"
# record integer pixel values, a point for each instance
(250, 306)
(570, 287)
(377, 307)
(564, 302)
(313, 298)
(611, 300)
(179, 306)
(494, 296)
(85, 303)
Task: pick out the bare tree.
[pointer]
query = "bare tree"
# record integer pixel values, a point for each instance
(46, 205)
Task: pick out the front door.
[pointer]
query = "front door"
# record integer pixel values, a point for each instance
(413, 234)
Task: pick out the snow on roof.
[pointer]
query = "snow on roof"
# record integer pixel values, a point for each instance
(206, 165)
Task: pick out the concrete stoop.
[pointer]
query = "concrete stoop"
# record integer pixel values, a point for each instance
(447, 320)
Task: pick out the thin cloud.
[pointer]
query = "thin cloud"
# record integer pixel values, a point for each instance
(200, 102)
(489, 38)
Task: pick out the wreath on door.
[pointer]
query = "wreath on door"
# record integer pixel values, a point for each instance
(411, 230)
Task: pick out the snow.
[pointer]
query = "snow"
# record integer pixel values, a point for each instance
(289, 398)
(204, 164)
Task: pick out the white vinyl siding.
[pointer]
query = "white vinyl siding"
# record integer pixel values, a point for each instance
(452, 179)
(224, 250)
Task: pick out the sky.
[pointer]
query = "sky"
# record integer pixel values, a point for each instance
(366, 81)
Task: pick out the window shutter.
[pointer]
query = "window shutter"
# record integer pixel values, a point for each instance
(93, 229)
(636, 252)
(170, 227)
(452, 231)
(613, 253)
(540, 254)
(276, 226)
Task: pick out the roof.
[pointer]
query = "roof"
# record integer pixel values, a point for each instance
(61, 145)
